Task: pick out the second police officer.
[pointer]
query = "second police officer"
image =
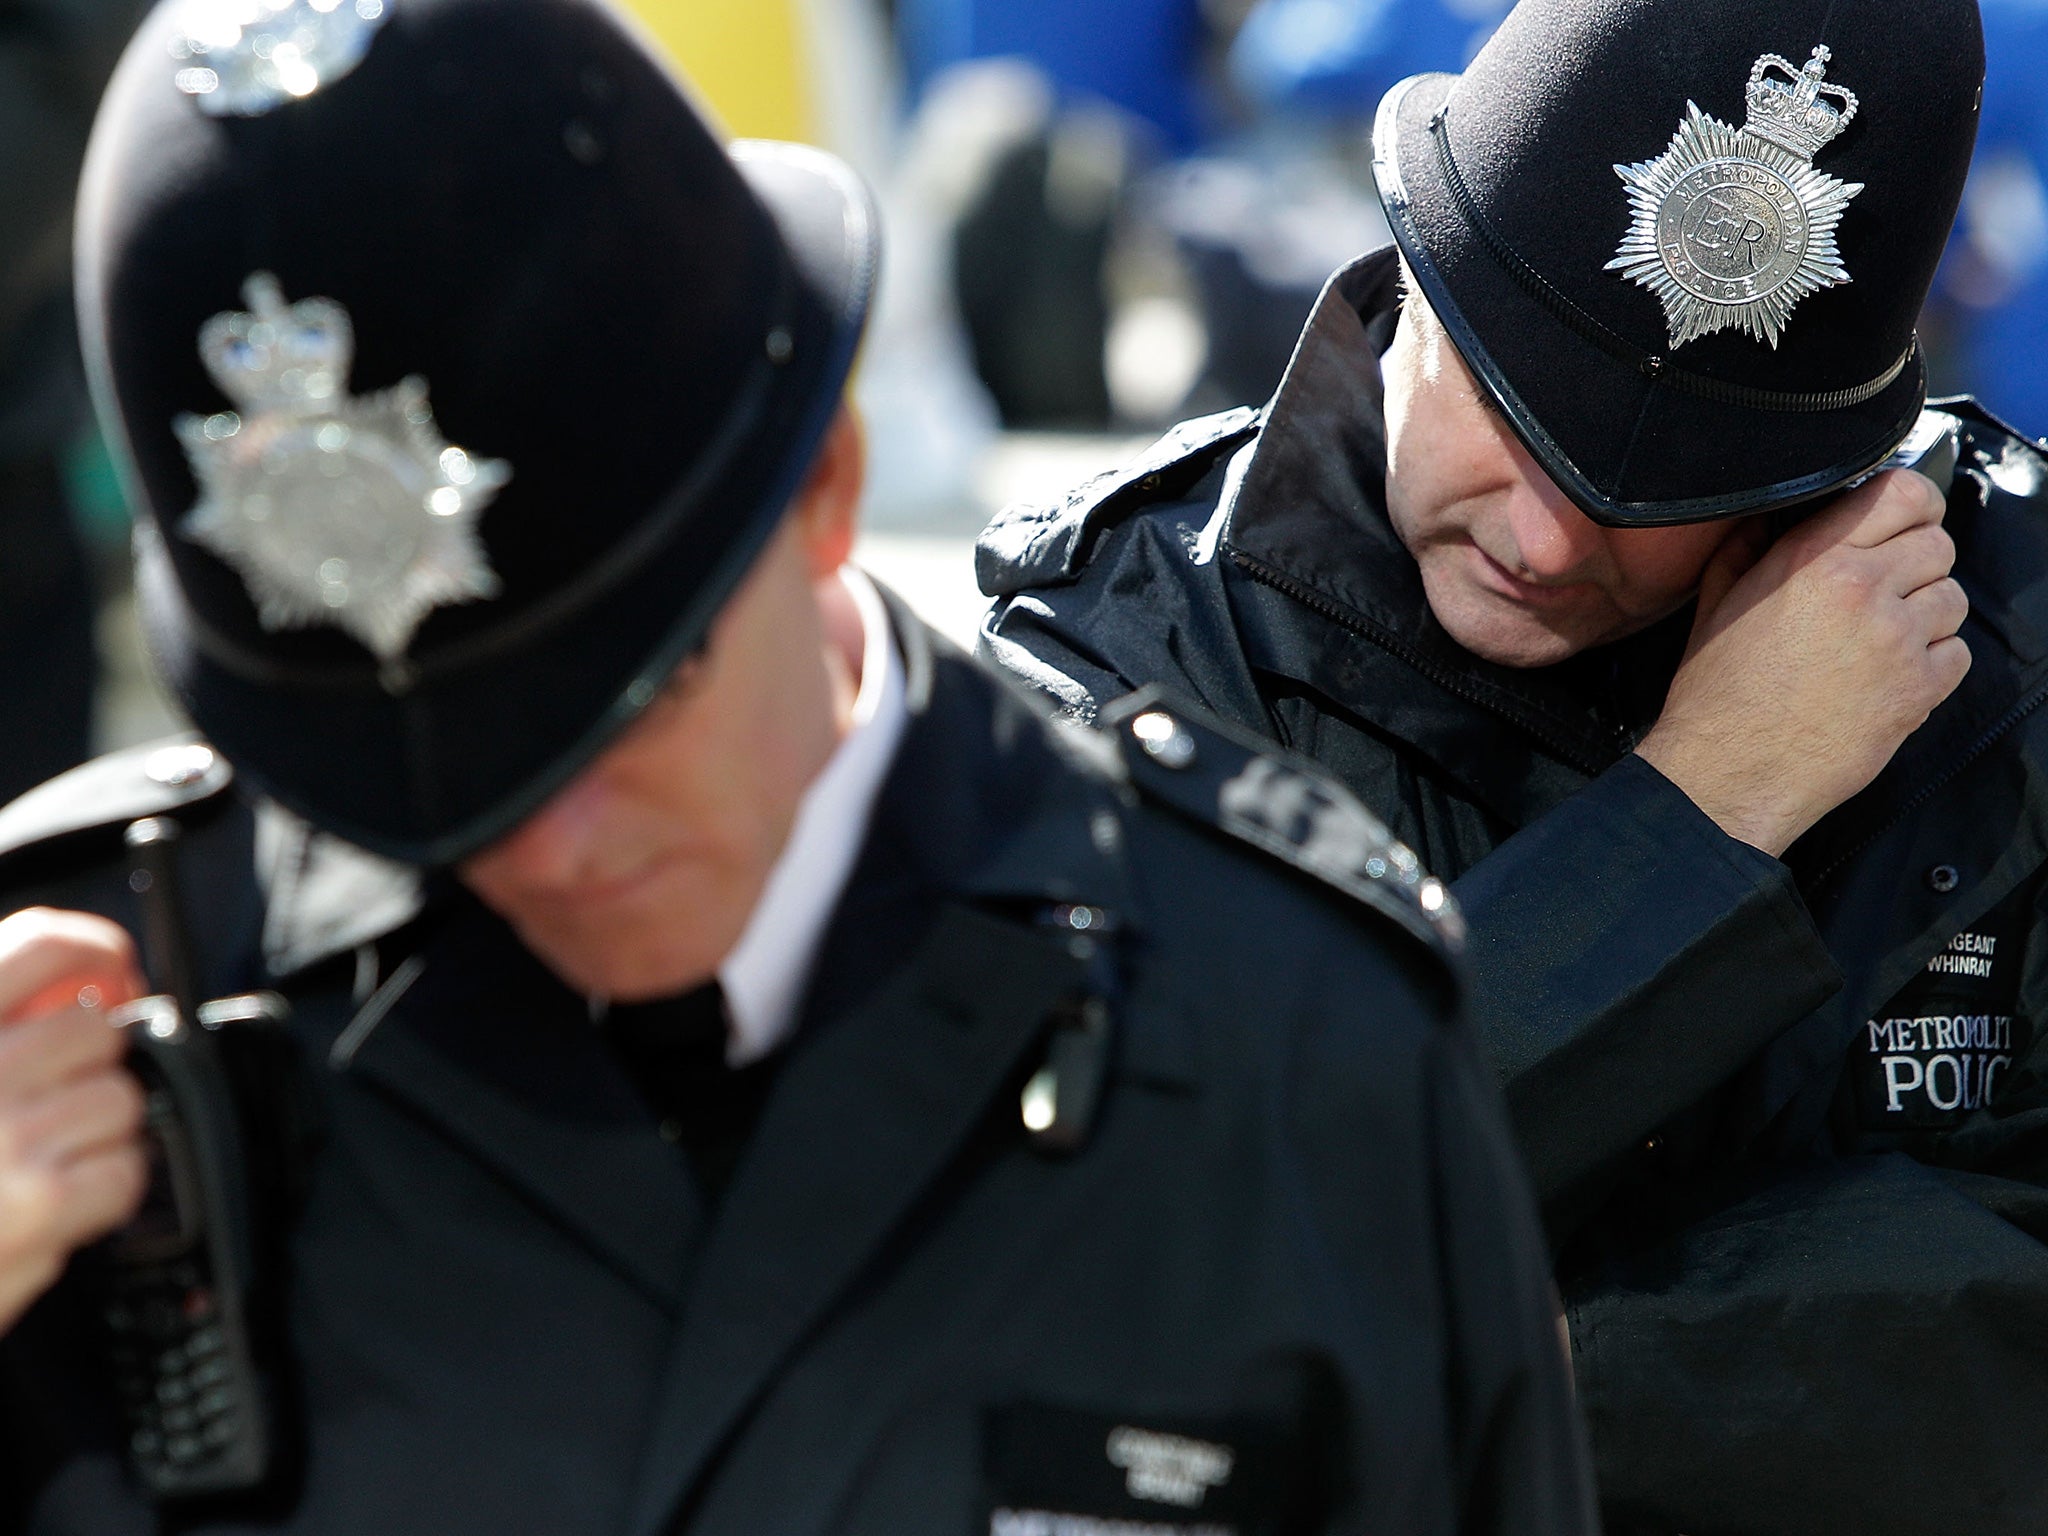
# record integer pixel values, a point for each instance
(745, 1070)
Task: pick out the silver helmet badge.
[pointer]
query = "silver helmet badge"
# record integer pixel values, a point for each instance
(335, 509)
(1733, 227)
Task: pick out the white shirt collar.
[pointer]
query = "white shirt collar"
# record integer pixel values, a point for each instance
(765, 975)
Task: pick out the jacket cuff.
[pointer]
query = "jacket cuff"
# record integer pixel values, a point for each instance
(1628, 957)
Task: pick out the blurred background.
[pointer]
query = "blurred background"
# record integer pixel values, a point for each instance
(1102, 216)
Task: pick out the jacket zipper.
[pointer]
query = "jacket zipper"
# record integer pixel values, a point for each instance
(1447, 681)
(2004, 725)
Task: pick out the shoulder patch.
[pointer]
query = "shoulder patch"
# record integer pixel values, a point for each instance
(1029, 545)
(151, 780)
(1216, 774)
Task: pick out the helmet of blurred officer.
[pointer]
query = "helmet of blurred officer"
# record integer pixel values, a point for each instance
(459, 372)
(1685, 248)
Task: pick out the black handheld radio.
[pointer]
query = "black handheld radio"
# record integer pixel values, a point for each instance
(190, 1325)
(1934, 447)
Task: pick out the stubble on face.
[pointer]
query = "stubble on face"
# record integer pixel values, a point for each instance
(1512, 569)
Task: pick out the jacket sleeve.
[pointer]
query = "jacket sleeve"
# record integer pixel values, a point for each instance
(1627, 957)
(1857, 1345)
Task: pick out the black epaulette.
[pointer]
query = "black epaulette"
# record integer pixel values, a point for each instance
(176, 774)
(1221, 776)
(1027, 545)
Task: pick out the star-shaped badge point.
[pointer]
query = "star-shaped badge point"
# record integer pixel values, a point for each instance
(334, 509)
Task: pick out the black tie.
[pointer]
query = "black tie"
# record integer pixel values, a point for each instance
(674, 1051)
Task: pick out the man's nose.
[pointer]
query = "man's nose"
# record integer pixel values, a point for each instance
(548, 850)
(1555, 540)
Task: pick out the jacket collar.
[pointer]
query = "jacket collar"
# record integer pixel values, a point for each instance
(323, 897)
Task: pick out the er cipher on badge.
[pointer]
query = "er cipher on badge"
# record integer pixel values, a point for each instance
(1732, 227)
(334, 508)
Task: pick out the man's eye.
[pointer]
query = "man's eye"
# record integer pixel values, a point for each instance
(682, 683)
(686, 678)
(1488, 403)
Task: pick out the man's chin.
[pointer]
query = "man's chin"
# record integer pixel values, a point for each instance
(1494, 630)
(658, 935)
(613, 966)
(1524, 653)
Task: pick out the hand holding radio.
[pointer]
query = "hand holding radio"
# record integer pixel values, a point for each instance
(72, 1166)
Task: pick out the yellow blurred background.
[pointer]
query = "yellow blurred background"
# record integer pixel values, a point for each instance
(747, 57)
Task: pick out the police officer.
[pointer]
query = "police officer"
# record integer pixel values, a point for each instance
(745, 1070)
(1567, 563)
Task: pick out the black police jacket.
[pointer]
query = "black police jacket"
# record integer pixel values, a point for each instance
(1802, 1247)
(1283, 1276)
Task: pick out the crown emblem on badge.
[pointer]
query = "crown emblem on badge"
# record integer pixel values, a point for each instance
(1732, 227)
(333, 508)
(1798, 116)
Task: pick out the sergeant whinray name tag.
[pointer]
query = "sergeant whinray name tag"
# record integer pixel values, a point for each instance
(1941, 1049)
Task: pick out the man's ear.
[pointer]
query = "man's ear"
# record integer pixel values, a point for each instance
(828, 507)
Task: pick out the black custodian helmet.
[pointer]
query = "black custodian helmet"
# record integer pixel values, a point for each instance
(459, 372)
(1685, 247)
